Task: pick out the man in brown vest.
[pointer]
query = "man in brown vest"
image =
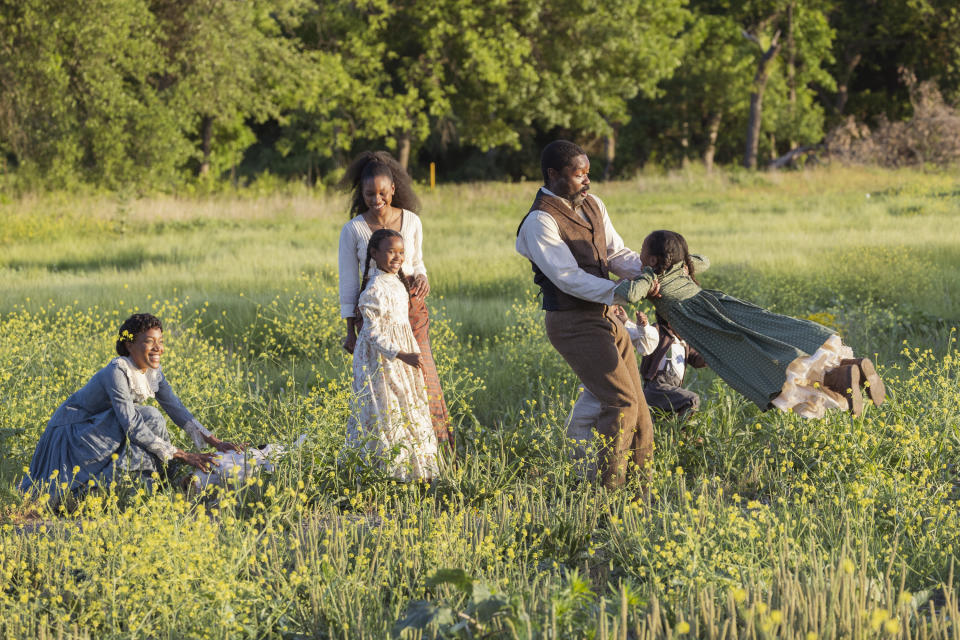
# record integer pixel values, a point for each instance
(569, 240)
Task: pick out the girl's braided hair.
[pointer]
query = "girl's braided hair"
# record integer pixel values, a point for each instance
(376, 238)
(669, 248)
(372, 164)
(135, 324)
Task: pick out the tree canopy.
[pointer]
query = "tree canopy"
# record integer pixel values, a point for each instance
(161, 93)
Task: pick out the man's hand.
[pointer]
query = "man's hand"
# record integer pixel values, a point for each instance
(642, 319)
(415, 360)
(619, 313)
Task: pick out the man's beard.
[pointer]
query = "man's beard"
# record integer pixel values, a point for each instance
(576, 200)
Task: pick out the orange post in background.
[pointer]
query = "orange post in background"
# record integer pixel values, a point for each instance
(433, 175)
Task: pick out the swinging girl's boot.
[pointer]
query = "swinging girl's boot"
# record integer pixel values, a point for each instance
(845, 380)
(869, 375)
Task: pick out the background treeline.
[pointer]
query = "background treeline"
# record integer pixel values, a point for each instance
(168, 93)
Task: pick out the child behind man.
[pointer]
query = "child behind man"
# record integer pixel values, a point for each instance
(663, 370)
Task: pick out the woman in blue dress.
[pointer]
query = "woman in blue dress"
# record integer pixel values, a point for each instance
(104, 430)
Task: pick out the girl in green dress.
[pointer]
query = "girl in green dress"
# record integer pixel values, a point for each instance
(774, 360)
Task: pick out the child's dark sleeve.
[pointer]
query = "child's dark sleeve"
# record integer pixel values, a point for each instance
(694, 359)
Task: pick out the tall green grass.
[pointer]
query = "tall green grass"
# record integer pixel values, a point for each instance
(758, 524)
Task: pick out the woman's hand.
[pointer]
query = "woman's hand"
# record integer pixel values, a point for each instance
(420, 287)
(415, 360)
(201, 461)
(350, 342)
(619, 313)
(221, 446)
(642, 319)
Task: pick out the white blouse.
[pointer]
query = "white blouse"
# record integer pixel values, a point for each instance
(354, 238)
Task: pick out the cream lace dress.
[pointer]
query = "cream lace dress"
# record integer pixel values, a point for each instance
(391, 417)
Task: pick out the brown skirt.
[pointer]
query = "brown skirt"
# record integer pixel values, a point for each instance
(420, 323)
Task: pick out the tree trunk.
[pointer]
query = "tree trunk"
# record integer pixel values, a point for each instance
(791, 74)
(756, 102)
(843, 82)
(685, 143)
(403, 149)
(713, 129)
(609, 153)
(206, 133)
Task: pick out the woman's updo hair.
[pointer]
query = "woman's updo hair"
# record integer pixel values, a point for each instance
(373, 164)
(669, 248)
(135, 324)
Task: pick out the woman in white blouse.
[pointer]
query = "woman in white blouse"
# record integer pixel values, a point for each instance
(382, 197)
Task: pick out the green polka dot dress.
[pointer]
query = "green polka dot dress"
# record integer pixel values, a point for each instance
(746, 345)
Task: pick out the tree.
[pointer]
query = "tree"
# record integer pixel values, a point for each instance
(876, 38)
(412, 66)
(76, 93)
(227, 63)
(707, 89)
(592, 59)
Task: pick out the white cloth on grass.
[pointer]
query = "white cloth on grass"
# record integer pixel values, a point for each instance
(232, 468)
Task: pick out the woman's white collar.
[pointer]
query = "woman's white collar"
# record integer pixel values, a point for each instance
(142, 385)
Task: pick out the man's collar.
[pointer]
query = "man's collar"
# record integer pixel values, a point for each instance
(551, 193)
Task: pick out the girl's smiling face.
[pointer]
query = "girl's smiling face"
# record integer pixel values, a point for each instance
(378, 193)
(389, 254)
(146, 349)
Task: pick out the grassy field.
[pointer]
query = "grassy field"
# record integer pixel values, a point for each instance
(760, 524)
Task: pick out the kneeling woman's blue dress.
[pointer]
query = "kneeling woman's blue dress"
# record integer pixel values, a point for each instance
(107, 417)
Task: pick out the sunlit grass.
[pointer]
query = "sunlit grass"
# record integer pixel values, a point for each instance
(759, 524)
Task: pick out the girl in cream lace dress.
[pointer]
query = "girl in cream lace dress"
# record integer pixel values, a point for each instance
(391, 416)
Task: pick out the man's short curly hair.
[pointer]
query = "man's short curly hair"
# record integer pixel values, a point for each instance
(132, 326)
(557, 155)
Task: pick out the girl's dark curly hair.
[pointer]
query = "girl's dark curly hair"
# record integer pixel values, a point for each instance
(132, 326)
(376, 238)
(372, 164)
(668, 248)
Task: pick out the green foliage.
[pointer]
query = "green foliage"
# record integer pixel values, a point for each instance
(625, 48)
(159, 95)
(78, 99)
